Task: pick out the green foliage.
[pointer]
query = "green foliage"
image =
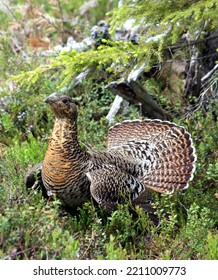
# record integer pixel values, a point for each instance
(196, 230)
(7, 60)
(120, 224)
(114, 253)
(69, 65)
(192, 241)
(212, 246)
(172, 17)
(24, 113)
(4, 20)
(165, 20)
(32, 230)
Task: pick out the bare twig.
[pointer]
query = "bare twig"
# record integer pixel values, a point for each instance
(14, 17)
(62, 21)
(191, 43)
(15, 44)
(192, 58)
(209, 92)
(209, 74)
(48, 19)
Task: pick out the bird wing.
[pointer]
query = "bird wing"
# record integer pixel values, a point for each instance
(111, 185)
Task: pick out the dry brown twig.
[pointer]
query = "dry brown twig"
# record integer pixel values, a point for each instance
(62, 21)
(8, 8)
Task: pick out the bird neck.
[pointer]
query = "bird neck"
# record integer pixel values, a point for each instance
(64, 135)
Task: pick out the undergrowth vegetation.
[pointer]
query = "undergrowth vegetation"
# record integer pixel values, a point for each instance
(32, 227)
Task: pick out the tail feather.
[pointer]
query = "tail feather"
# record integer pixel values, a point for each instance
(176, 171)
(126, 131)
(166, 187)
(183, 178)
(173, 161)
(164, 149)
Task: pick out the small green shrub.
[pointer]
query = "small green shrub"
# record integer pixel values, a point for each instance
(113, 251)
(212, 246)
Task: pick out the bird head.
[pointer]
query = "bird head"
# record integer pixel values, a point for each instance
(62, 106)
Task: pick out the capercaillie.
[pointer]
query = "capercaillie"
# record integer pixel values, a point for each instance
(141, 155)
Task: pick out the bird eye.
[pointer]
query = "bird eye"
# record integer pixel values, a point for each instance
(65, 100)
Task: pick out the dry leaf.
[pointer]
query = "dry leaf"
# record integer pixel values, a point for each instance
(15, 26)
(32, 12)
(37, 42)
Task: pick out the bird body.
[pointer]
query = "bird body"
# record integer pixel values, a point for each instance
(141, 155)
(65, 165)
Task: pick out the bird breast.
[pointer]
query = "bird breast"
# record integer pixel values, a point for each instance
(63, 163)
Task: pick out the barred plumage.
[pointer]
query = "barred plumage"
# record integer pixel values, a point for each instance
(141, 155)
(65, 163)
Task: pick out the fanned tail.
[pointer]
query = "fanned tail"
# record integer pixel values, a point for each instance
(168, 159)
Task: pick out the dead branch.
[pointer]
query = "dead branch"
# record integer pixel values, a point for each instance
(118, 104)
(191, 43)
(135, 94)
(209, 74)
(62, 21)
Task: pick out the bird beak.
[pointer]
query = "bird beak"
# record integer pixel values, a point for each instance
(51, 98)
(47, 100)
